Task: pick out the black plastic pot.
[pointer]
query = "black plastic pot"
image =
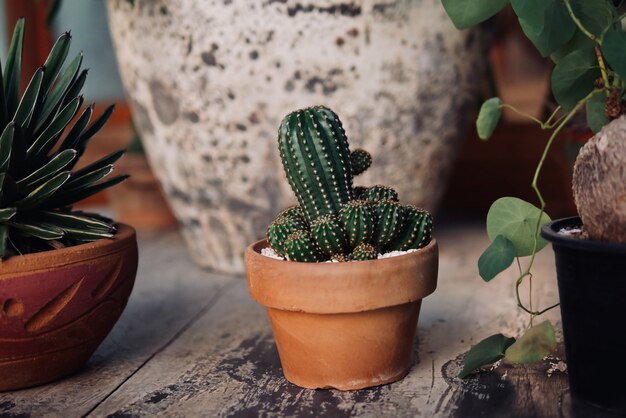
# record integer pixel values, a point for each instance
(592, 288)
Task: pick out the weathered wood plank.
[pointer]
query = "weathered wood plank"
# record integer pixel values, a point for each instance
(170, 293)
(226, 364)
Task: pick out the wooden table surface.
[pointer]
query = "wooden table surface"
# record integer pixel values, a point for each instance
(193, 343)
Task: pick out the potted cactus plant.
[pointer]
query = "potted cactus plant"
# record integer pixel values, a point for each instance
(342, 318)
(587, 42)
(65, 276)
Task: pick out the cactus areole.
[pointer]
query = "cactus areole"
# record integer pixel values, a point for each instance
(333, 220)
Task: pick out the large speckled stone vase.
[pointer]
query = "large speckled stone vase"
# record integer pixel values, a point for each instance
(210, 80)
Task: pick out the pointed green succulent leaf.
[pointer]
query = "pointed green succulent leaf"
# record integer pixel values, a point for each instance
(55, 60)
(7, 213)
(75, 88)
(496, 258)
(545, 22)
(55, 98)
(488, 351)
(488, 117)
(6, 146)
(56, 164)
(87, 179)
(613, 51)
(85, 234)
(534, 345)
(46, 140)
(73, 136)
(29, 100)
(75, 221)
(71, 197)
(596, 116)
(516, 220)
(95, 127)
(108, 160)
(39, 230)
(44, 191)
(13, 68)
(573, 77)
(466, 13)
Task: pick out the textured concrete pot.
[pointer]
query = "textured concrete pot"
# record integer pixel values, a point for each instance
(209, 82)
(343, 325)
(56, 307)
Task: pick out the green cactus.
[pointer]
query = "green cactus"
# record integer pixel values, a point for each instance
(301, 247)
(380, 192)
(360, 160)
(280, 229)
(316, 159)
(294, 212)
(329, 235)
(359, 192)
(359, 221)
(340, 258)
(390, 221)
(364, 252)
(416, 232)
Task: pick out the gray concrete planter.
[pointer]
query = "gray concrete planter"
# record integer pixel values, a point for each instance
(209, 82)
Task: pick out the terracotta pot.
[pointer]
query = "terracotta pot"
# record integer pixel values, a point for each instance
(402, 78)
(343, 325)
(56, 307)
(139, 201)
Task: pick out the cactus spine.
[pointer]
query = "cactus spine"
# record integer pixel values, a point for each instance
(380, 192)
(360, 160)
(300, 247)
(390, 222)
(416, 232)
(280, 229)
(364, 252)
(316, 158)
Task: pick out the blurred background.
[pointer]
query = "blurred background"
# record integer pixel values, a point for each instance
(483, 171)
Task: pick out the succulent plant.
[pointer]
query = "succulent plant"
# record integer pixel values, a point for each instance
(316, 158)
(364, 252)
(359, 221)
(360, 160)
(301, 247)
(39, 147)
(334, 220)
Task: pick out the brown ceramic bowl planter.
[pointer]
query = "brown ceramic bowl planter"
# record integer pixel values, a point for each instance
(343, 325)
(56, 307)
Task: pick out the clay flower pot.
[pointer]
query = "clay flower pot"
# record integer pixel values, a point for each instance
(343, 325)
(56, 307)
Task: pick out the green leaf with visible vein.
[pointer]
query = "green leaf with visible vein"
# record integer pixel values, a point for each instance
(44, 191)
(488, 351)
(596, 116)
(29, 100)
(573, 78)
(534, 345)
(614, 50)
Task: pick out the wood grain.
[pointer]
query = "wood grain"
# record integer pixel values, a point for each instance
(195, 344)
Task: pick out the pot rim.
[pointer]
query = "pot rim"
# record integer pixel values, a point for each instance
(47, 260)
(326, 288)
(550, 232)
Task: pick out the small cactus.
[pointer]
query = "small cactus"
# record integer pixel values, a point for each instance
(280, 229)
(360, 160)
(333, 219)
(329, 235)
(359, 221)
(301, 247)
(380, 192)
(364, 252)
(417, 230)
(390, 222)
(316, 158)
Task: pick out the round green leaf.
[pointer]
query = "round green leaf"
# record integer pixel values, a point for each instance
(614, 50)
(496, 258)
(573, 77)
(466, 13)
(595, 15)
(545, 22)
(578, 41)
(516, 220)
(534, 345)
(596, 117)
(488, 351)
(488, 117)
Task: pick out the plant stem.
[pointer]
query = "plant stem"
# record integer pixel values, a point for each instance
(519, 112)
(578, 23)
(605, 77)
(546, 124)
(542, 202)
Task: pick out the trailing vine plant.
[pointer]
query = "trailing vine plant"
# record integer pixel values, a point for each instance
(586, 40)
